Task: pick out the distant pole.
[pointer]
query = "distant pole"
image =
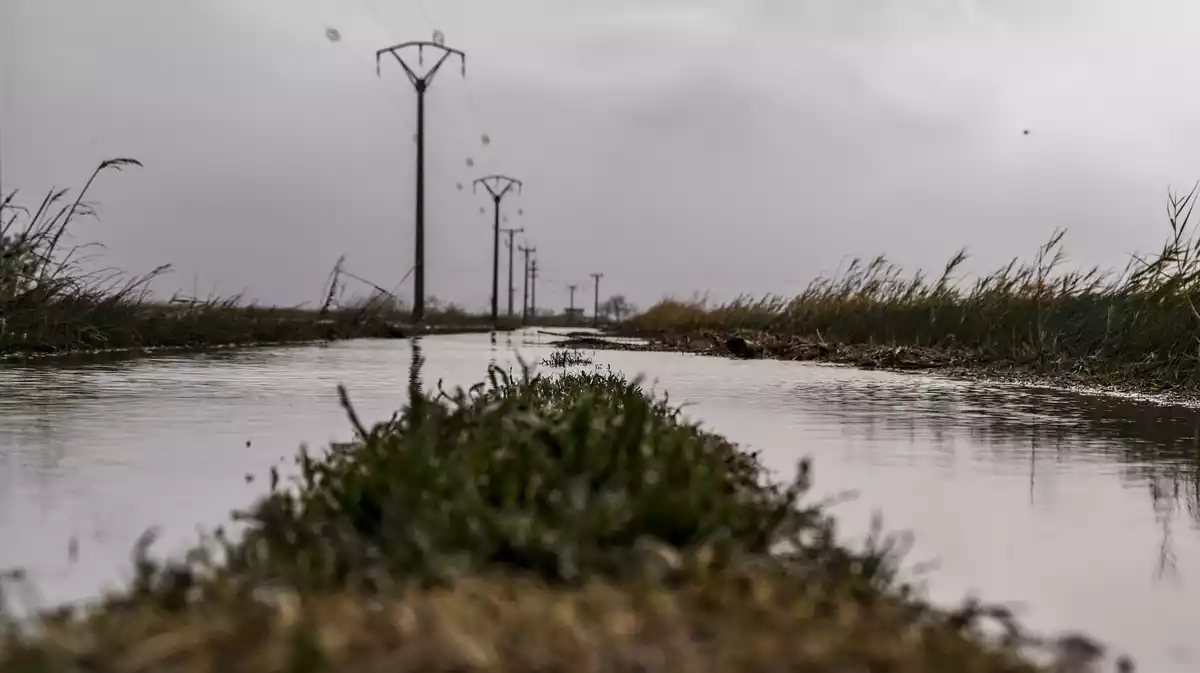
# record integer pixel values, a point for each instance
(596, 306)
(571, 288)
(510, 246)
(533, 274)
(526, 250)
(493, 183)
(421, 84)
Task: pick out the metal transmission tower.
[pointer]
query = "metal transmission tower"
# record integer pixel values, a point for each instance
(526, 250)
(421, 84)
(509, 244)
(493, 183)
(533, 274)
(596, 306)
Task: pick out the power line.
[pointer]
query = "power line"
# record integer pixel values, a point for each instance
(472, 99)
(533, 274)
(421, 84)
(387, 94)
(498, 186)
(387, 27)
(509, 244)
(424, 11)
(526, 250)
(390, 28)
(596, 306)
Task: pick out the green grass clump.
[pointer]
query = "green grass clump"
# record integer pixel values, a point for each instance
(1142, 321)
(568, 523)
(557, 476)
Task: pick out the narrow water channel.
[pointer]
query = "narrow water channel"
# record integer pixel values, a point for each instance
(1082, 511)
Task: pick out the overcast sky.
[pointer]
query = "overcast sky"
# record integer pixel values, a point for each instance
(678, 146)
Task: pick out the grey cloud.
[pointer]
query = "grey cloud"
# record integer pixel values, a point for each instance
(676, 146)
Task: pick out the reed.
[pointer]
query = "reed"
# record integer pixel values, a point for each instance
(1142, 320)
(53, 300)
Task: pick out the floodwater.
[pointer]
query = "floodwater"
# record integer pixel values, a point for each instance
(1081, 511)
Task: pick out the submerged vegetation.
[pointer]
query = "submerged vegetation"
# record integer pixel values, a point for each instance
(566, 357)
(566, 523)
(52, 300)
(1138, 325)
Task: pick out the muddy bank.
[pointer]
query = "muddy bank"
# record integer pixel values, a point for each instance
(1146, 378)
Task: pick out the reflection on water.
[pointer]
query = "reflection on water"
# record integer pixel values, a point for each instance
(1156, 448)
(415, 387)
(1086, 510)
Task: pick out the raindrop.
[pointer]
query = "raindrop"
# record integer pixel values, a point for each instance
(439, 38)
(333, 34)
(506, 218)
(485, 139)
(480, 210)
(470, 162)
(520, 211)
(459, 185)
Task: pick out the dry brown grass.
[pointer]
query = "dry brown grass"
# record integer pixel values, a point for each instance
(1143, 319)
(53, 300)
(758, 617)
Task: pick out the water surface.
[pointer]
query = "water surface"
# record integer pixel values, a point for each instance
(1082, 510)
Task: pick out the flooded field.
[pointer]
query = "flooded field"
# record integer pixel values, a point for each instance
(1082, 511)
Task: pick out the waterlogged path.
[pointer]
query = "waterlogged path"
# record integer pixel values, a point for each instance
(1084, 512)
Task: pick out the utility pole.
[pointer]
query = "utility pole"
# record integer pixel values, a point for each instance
(421, 84)
(533, 290)
(596, 306)
(493, 183)
(527, 250)
(509, 245)
(571, 289)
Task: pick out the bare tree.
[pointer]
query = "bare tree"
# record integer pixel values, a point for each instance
(616, 306)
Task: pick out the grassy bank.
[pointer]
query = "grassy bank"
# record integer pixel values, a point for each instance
(53, 301)
(551, 524)
(1136, 327)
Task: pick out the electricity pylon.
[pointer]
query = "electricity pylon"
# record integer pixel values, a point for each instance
(493, 183)
(421, 84)
(510, 231)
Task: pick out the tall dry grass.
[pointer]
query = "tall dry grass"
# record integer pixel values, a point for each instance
(54, 297)
(1029, 311)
